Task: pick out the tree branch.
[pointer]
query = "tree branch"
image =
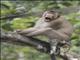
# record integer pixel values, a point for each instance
(11, 16)
(19, 39)
(40, 45)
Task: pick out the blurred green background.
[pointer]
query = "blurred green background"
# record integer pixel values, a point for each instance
(33, 10)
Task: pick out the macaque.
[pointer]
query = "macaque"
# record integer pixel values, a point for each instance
(52, 25)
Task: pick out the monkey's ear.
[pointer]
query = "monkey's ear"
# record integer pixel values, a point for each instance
(57, 15)
(45, 13)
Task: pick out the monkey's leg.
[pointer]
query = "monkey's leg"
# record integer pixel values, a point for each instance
(55, 38)
(54, 34)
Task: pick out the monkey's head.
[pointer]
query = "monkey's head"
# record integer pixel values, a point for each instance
(50, 16)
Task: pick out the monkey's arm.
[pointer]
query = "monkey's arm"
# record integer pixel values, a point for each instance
(29, 30)
(39, 32)
(25, 31)
(50, 33)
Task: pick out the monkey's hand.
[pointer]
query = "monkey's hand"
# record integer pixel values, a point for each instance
(39, 32)
(18, 30)
(26, 31)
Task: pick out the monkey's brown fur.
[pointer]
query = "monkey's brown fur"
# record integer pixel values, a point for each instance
(52, 25)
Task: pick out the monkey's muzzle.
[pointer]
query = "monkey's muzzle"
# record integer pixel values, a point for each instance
(48, 19)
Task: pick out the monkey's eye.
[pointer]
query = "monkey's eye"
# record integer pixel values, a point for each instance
(47, 18)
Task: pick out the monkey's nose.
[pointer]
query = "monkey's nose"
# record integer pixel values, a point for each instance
(47, 18)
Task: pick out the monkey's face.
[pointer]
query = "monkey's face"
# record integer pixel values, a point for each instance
(50, 16)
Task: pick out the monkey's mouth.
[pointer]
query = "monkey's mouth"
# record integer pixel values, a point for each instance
(47, 19)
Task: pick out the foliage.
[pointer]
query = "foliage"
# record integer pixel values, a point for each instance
(11, 52)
